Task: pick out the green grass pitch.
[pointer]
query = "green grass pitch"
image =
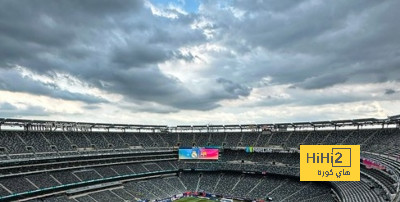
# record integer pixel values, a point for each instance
(193, 199)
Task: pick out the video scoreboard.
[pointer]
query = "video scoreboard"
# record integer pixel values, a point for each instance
(199, 153)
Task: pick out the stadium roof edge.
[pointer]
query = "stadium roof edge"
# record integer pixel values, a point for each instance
(394, 117)
(27, 122)
(333, 123)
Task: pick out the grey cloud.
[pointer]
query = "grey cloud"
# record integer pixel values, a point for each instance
(234, 89)
(322, 81)
(175, 32)
(389, 91)
(312, 99)
(157, 110)
(8, 110)
(276, 6)
(117, 46)
(152, 108)
(300, 26)
(7, 106)
(140, 55)
(91, 107)
(188, 57)
(345, 39)
(151, 85)
(13, 81)
(32, 30)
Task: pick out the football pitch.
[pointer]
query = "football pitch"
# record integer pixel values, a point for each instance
(193, 199)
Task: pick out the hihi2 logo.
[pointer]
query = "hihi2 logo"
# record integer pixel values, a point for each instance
(329, 162)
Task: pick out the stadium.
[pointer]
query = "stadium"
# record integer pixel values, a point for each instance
(200, 100)
(77, 161)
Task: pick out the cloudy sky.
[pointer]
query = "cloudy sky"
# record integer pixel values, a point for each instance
(199, 62)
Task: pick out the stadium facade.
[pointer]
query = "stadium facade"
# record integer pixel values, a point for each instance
(80, 161)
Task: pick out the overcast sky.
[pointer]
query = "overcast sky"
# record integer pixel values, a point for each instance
(199, 62)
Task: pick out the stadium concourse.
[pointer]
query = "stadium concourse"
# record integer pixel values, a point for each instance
(73, 161)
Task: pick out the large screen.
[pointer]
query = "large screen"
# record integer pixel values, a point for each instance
(198, 153)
